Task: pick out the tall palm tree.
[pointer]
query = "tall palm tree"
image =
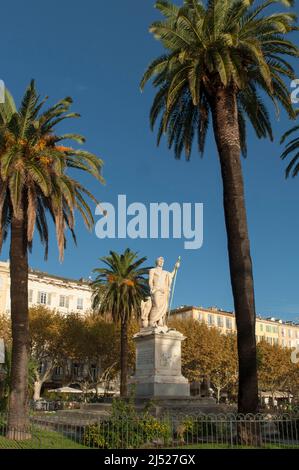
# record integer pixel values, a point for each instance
(291, 150)
(219, 55)
(35, 182)
(119, 289)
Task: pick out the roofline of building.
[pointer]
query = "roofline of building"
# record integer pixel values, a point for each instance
(209, 310)
(187, 308)
(38, 273)
(59, 278)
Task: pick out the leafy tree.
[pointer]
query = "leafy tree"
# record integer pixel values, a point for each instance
(46, 338)
(207, 353)
(119, 289)
(199, 350)
(4, 379)
(57, 340)
(101, 335)
(219, 55)
(275, 368)
(225, 372)
(292, 381)
(133, 328)
(34, 183)
(5, 328)
(88, 342)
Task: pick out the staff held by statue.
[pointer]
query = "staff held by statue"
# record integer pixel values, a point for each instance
(176, 268)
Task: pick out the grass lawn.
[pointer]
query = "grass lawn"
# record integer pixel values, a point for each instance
(44, 439)
(41, 440)
(225, 446)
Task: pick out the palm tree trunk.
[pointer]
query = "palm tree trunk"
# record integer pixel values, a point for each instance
(18, 416)
(226, 130)
(123, 359)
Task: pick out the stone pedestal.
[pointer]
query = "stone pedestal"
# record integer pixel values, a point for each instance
(158, 364)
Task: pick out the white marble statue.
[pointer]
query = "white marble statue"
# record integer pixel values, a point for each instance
(154, 310)
(145, 311)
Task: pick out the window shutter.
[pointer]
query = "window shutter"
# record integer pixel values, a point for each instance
(48, 299)
(67, 302)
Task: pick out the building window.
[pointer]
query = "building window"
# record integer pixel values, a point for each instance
(261, 327)
(63, 301)
(42, 298)
(80, 304)
(220, 322)
(275, 341)
(210, 319)
(93, 372)
(30, 296)
(290, 333)
(77, 370)
(268, 328)
(282, 332)
(58, 371)
(229, 323)
(283, 343)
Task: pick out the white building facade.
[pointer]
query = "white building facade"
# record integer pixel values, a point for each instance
(57, 293)
(272, 330)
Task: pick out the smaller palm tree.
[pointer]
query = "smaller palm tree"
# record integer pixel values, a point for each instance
(291, 149)
(118, 290)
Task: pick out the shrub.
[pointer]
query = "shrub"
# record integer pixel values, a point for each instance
(204, 429)
(126, 429)
(94, 436)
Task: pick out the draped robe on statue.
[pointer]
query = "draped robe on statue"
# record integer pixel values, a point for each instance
(160, 284)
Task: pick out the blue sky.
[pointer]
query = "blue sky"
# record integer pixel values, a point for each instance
(96, 52)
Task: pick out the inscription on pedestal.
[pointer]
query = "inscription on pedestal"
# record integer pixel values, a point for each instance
(145, 357)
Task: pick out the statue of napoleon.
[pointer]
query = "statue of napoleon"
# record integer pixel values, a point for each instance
(154, 310)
